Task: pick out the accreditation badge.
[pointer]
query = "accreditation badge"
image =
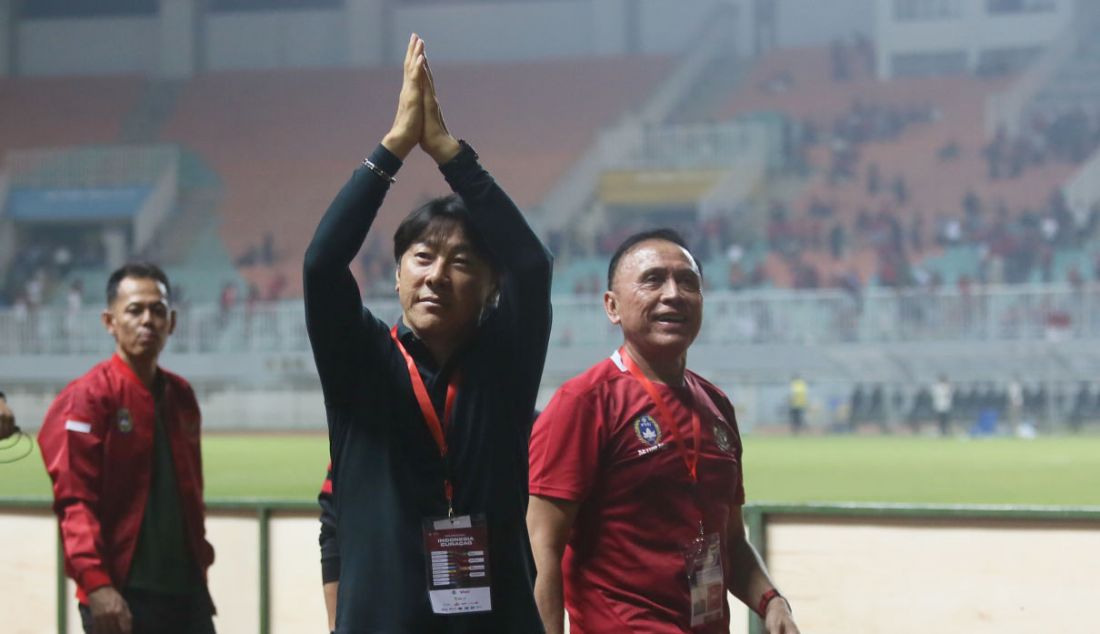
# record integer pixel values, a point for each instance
(457, 555)
(706, 580)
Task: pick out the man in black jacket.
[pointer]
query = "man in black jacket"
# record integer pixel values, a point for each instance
(429, 417)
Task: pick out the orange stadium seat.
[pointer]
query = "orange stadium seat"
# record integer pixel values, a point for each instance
(283, 142)
(64, 111)
(798, 83)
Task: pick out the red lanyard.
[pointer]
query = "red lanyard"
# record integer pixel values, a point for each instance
(691, 461)
(431, 419)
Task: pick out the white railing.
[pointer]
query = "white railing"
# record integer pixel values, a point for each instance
(97, 166)
(7, 234)
(1004, 313)
(685, 146)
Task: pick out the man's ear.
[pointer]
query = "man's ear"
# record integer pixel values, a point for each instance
(611, 307)
(397, 277)
(108, 320)
(171, 320)
(492, 300)
(494, 294)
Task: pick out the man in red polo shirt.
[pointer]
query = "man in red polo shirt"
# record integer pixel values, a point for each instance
(121, 445)
(636, 479)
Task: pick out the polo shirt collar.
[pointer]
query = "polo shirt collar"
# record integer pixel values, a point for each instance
(423, 356)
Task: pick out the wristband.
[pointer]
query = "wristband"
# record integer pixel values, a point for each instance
(766, 599)
(367, 163)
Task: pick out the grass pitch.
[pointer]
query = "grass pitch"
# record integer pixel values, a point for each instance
(1045, 471)
(1063, 470)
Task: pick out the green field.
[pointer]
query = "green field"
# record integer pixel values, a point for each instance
(1045, 471)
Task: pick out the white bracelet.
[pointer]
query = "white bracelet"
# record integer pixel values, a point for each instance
(378, 170)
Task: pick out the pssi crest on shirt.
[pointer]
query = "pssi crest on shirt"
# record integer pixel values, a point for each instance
(647, 430)
(722, 437)
(125, 421)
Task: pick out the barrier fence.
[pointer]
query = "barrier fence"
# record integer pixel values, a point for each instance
(1053, 312)
(800, 543)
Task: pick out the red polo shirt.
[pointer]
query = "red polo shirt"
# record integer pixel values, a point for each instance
(601, 442)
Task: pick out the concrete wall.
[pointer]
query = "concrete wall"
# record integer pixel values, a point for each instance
(7, 37)
(275, 39)
(102, 46)
(553, 29)
(670, 27)
(178, 21)
(972, 31)
(801, 23)
(364, 31)
(500, 32)
(355, 35)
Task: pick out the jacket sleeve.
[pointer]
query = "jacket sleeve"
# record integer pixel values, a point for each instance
(330, 545)
(207, 555)
(71, 441)
(524, 314)
(335, 318)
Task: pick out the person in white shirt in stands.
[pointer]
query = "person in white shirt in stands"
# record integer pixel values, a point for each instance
(942, 397)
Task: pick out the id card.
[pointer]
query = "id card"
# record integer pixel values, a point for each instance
(706, 580)
(457, 552)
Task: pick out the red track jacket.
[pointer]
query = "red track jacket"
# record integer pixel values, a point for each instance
(97, 442)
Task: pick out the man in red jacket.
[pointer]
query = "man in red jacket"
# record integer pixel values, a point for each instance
(121, 445)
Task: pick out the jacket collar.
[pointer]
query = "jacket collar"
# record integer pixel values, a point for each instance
(123, 369)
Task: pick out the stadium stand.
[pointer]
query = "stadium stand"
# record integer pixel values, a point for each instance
(868, 170)
(887, 164)
(64, 111)
(56, 114)
(894, 164)
(284, 142)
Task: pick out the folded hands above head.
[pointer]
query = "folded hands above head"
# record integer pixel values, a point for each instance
(419, 118)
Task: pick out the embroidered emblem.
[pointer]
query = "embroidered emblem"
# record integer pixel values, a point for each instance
(722, 437)
(125, 422)
(647, 430)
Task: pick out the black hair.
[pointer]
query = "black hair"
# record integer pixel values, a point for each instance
(434, 220)
(141, 271)
(668, 235)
